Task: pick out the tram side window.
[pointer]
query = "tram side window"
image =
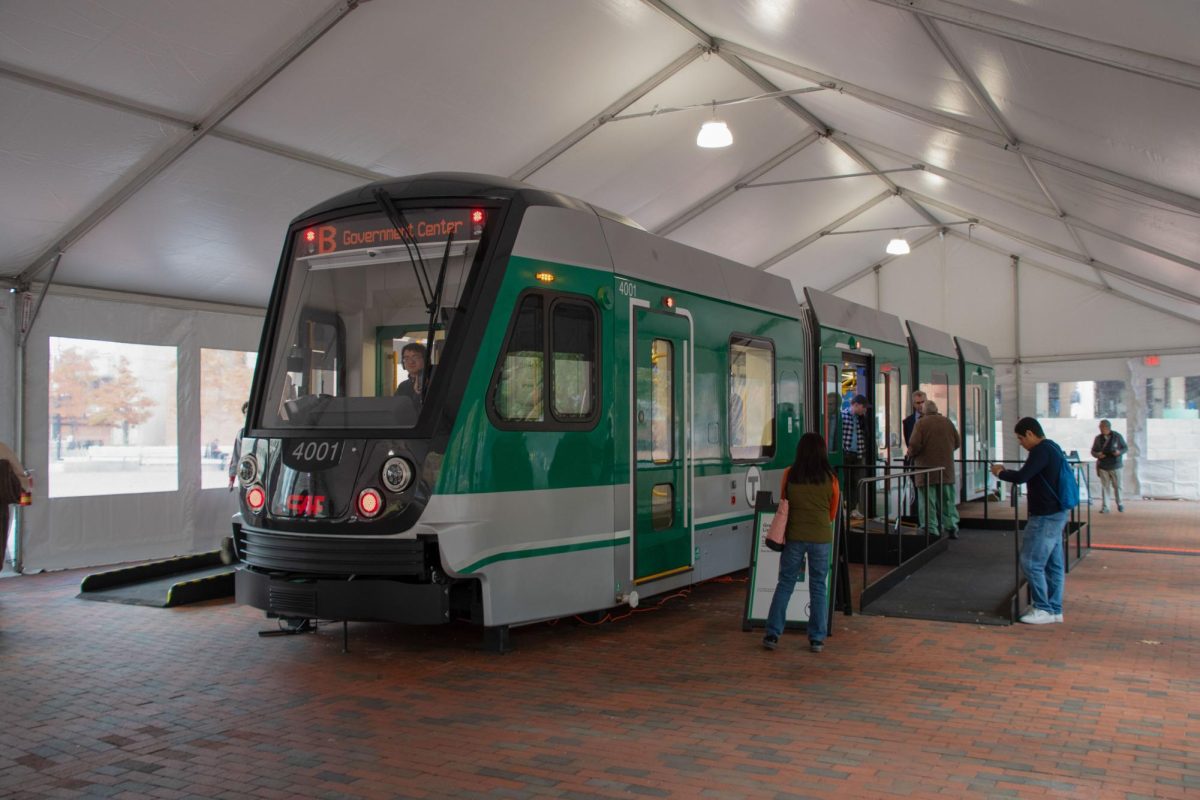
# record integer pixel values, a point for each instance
(751, 398)
(519, 393)
(573, 345)
(562, 355)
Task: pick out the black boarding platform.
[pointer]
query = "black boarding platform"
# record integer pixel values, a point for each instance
(971, 580)
(163, 584)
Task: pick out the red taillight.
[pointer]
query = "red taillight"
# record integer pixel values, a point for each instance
(256, 498)
(370, 502)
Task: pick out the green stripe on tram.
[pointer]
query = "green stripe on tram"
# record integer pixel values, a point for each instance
(537, 552)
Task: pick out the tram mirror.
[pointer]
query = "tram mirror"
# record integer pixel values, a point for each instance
(295, 360)
(307, 407)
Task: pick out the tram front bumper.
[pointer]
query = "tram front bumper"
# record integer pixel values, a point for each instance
(359, 600)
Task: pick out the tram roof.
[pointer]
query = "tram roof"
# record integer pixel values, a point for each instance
(437, 185)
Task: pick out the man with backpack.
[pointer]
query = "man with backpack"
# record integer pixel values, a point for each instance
(1053, 492)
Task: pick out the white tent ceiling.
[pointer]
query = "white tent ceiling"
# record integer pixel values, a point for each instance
(162, 146)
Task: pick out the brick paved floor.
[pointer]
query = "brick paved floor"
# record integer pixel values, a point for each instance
(110, 700)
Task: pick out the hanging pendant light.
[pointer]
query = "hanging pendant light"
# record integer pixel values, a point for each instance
(898, 247)
(714, 133)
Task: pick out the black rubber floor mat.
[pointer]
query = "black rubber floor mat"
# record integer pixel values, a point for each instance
(158, 592)
(973, 581)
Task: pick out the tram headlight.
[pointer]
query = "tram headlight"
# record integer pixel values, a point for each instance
(397, 474)
(247, 470)
(370, 502)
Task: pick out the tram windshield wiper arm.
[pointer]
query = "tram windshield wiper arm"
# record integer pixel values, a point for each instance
(437, 304)
(396, 217)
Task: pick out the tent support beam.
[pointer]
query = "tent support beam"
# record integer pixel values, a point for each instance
(1061, 252)
(695, 210)
(629, 98)
(1124, 58)
(1016, 269)
(745, 69)
(984, 99)
(95, 96)
(1016, 200)
(733, 60)
(878, 266)
(1123, 354)
(954, 125)
(108, 100)
(812, 237)
(132, 183)
(1076, 279)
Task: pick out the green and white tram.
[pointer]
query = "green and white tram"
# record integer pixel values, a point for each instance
(480, 400)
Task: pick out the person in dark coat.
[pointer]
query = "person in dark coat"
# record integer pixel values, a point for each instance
(934, 440)
(1042, 540)
(1109, 449)
(910, 422)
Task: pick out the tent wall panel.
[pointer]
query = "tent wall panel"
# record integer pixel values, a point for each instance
(67, 532)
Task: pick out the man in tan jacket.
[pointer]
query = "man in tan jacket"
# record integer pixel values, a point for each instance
(934, 440)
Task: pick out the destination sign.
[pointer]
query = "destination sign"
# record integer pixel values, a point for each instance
(426, 225)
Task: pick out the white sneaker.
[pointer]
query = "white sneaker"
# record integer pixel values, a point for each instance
(856, 514)
(1058, 617)
(1039, 617)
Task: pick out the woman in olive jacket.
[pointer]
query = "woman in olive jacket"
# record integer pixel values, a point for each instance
(811, 489)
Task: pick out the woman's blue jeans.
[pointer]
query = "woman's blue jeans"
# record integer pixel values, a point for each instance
(1042, 560)
(791, 567)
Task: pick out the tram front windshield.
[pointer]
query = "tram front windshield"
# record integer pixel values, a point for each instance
(370, 301)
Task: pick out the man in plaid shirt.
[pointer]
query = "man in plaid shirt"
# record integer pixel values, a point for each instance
(853, 448)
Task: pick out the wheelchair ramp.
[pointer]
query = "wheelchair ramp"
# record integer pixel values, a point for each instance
(163, 584)
(972, 581)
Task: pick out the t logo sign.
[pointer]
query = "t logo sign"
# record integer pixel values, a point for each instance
(305, 505)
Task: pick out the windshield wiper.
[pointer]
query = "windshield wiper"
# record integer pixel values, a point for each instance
(436, 304)
(396, 217)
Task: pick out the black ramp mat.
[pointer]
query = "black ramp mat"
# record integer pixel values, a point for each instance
(158, 591)
(972, 581)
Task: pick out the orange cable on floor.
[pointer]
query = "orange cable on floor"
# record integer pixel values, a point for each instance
(1147, 548)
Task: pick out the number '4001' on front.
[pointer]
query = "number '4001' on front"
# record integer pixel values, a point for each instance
(311, 455)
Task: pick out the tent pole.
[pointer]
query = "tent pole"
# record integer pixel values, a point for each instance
(1016, 263)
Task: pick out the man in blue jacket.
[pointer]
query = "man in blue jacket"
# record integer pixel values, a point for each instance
(1042, 550)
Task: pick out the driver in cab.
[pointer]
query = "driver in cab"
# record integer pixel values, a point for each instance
(412, 358)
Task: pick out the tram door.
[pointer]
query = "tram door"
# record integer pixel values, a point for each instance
(976, 425)
(840, 382)
(662, 538)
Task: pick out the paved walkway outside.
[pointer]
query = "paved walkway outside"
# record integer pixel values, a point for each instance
(110, 700)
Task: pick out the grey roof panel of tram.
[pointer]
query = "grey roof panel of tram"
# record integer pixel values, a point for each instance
(931, 340)
(639, 254)
(973, 352)
(436, 185)
(832, 311)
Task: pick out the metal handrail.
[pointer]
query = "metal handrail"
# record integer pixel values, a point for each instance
(886, 478)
